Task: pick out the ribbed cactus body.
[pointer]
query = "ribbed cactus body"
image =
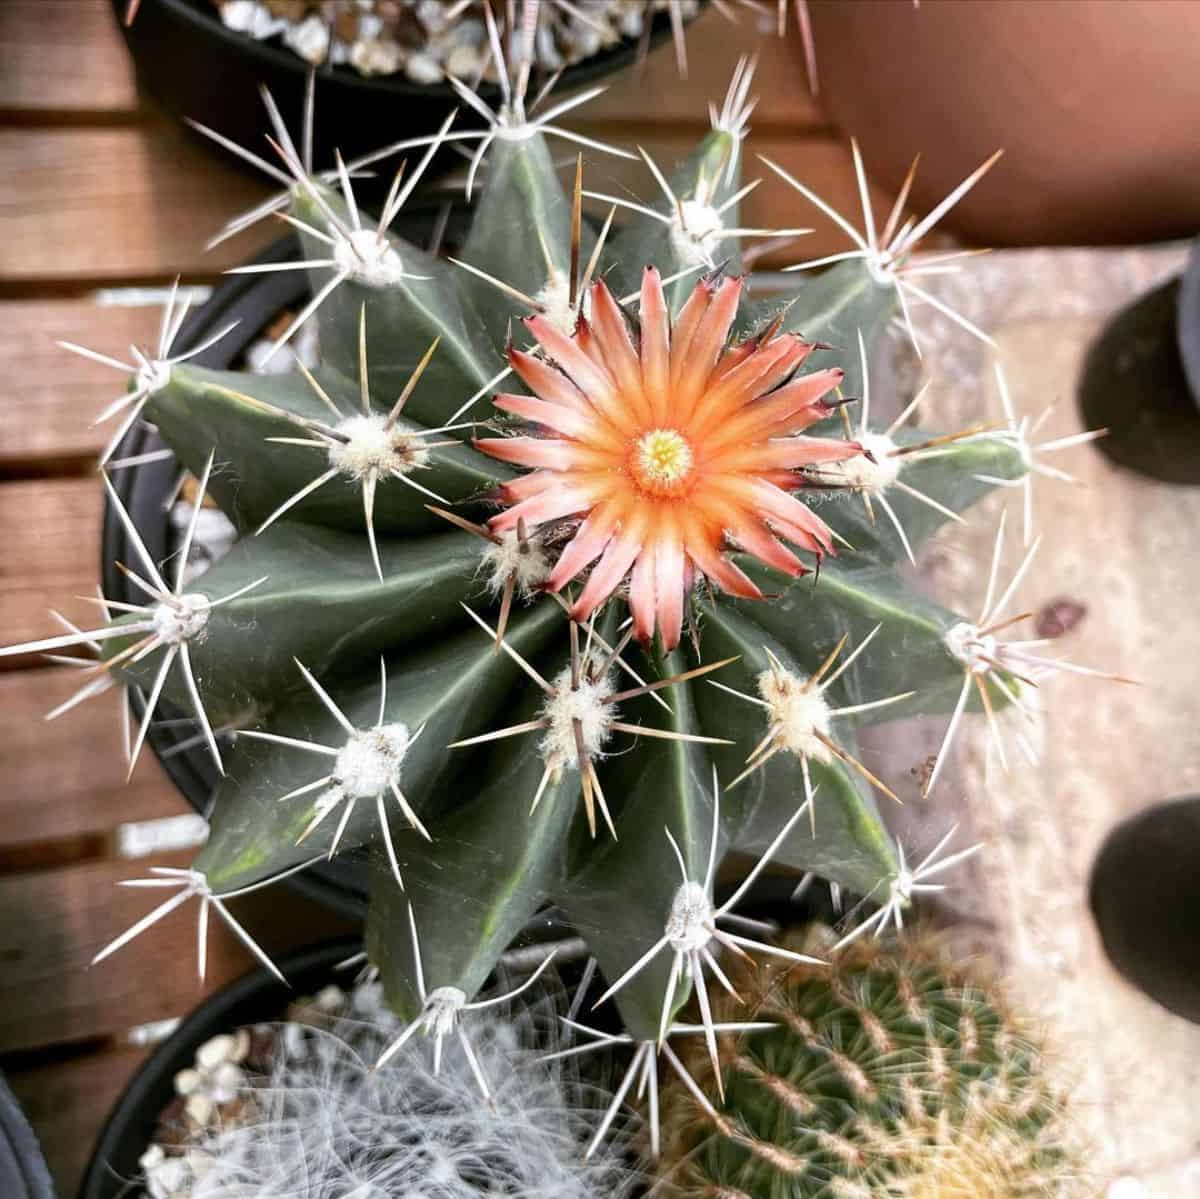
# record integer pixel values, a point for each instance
(350, 555)
(898, 1076)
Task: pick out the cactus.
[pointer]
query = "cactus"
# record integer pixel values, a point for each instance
(318, 1121)
(421, 638)
(901, 1075)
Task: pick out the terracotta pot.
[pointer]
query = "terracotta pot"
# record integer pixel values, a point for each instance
(1095, 103)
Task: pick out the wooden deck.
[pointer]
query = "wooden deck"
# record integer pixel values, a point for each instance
(103, 192)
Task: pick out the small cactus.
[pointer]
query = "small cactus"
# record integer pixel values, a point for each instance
(901, 1075)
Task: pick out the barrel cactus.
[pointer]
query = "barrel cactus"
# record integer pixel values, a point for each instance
(508, 467)
(899, 1075)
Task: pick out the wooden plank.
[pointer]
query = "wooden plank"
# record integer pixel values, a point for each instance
(63, 56)
(51, 534)
(118, 204)
(66, 778)
(49, 397)
(67, 1101)
(138, 203)
(53, 922)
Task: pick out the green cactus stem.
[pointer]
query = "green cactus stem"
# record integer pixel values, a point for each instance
(898, 1074)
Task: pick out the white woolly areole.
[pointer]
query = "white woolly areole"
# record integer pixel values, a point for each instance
(689, 925)
(373, 447)
(881, 266)
(510, 128)
(368, 258)
(589, 704)
(440, 1017)
(152, 376)
(797, 715)
(370, 761)
(863, 474)
(555, 302)
(175, 624)
(971, 647)
(699, 235)
(508, 559)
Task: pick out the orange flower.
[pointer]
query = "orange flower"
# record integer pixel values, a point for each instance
(666, 450)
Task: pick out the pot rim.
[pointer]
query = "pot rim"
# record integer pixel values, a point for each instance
(195, 13)
(19, 1148)
(248, 999)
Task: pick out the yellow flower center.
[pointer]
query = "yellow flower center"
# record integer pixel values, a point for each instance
(662, 459)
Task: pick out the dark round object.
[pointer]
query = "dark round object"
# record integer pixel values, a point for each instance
(195, 67)
(255, 997)
(23, 1173)
(1133, 384)
(1187, 323)
(1145, 897)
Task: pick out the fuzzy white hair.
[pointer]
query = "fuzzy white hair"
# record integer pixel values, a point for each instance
(328, 1126)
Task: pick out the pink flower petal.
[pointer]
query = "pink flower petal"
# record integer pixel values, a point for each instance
(656, 344)
(557, 417)
(586, 546)
(607, 574)
(547, 381)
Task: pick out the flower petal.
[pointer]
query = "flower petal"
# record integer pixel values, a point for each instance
(607, 574)
(547, 381)
(587, 545)
(533, 451)
(670, 586)
(656, 344)
(561, 419)
(642, 596)
(595, 383)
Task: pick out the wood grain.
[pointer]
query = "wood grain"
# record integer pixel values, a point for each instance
(139, 203)
(53, 922)
(51, 535)
(49, 397)
(713, 45)
(117, 204)
(66, 778)
(64, 56)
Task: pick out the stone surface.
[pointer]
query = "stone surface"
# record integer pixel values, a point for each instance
(1125, 546)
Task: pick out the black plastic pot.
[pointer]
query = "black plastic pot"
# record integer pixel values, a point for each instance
(1187, 322)
(1135, 383)
(195, 67)
(255, 301)
(23, 1173)
(1145, 898)
(254, 998)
